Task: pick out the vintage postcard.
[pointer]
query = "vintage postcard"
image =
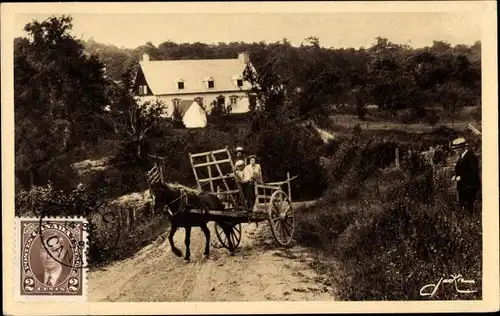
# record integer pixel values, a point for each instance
(239, 157)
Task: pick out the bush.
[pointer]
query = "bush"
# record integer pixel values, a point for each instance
(128, 226)
(390, 233)
(431, 118)
(477, 114)
(294, 149)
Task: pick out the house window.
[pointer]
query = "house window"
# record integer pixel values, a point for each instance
(176, 102)
(233, 101)
(239, 82)
(180, 85)
(143, 90)
(199, 100)
(211, 83)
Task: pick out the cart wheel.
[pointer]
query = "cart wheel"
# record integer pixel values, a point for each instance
(281, 218)
(234, 232)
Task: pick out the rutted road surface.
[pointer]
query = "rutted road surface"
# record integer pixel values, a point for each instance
(261, 270)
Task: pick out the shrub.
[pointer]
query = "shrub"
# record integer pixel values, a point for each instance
(127, 226)
(477, 114)
(431, 118)
(294, 149)
(390, 232)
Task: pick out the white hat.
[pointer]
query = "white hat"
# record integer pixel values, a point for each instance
(239, 163)
(458, 143)
(239, 148)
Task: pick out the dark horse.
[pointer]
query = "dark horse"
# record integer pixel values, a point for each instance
(176, 203)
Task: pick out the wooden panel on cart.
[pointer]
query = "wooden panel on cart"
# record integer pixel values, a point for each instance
(214, 172)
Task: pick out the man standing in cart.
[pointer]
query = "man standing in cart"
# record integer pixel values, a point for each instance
(239, 175)
(252, 175)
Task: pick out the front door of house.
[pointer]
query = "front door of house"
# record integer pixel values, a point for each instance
(221, 100)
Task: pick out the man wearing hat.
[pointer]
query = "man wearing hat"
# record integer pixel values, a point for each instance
(466, 174)
(240, 154)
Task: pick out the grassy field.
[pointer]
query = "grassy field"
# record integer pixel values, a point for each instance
(350, 121)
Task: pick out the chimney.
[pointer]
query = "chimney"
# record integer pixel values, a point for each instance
(244, 58)
(145, 57)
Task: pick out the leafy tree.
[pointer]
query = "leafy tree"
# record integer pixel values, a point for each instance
(177, 118)
(133, 119)
(59, 95)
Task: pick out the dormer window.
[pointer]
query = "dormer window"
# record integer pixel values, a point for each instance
(209, 82)
(180, 83)
(238, 81)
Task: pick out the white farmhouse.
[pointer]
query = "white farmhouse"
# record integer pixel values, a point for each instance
(201, 80)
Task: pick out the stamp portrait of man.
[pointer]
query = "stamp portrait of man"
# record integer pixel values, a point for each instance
(52, 263)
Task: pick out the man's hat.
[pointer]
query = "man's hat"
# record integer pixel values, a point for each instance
(458, 143)
(252, 156)
(239, 149)
(239, 163)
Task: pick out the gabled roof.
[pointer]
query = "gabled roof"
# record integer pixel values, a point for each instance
(184, 106)
(162, 75)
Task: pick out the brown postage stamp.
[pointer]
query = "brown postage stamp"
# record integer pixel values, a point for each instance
(51, 256)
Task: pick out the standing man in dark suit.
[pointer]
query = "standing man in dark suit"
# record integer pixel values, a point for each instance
(466, 174)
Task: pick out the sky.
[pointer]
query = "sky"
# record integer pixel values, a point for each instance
(333, 29)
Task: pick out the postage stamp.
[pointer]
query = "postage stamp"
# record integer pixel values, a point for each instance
(51, 258)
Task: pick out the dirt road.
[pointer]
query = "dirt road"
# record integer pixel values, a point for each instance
(259, 271)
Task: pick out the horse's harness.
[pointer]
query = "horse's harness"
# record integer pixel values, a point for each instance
(184, 197)
(183, 202)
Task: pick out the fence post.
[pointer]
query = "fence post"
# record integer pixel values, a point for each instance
(397, 158)
(289, 186)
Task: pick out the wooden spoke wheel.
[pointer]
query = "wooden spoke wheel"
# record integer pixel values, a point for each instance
(281, 218)
(234, 231)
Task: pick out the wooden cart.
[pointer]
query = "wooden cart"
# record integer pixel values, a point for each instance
(214, 173)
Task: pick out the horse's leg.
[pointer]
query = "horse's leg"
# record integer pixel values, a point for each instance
(187, 242)
(175, 250)
(206, 231)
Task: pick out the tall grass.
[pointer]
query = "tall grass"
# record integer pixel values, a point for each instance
(390, 233)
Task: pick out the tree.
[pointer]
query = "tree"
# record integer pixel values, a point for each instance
(133, 118)
(59, 95)
(358, 97)
(177, 118)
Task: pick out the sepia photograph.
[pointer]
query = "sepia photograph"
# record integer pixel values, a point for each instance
(191, 156)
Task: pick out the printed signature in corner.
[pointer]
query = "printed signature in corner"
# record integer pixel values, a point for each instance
(431, 289)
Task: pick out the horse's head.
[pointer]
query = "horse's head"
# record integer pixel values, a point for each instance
(164, 195)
